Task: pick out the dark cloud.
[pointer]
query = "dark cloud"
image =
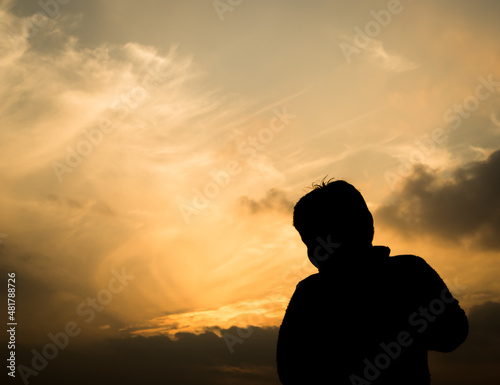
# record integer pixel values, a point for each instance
(53, 198)
(47, 297)
(52, 281)
(192, 359)
(207, 358)
(476, 361)
(98, 207)
(275, 199)
(467, 206)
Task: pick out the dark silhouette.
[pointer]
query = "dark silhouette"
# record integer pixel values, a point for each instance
(364, 318)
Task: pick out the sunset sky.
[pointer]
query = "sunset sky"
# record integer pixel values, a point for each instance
(151, 154)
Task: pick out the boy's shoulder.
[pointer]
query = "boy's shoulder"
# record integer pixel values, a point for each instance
(409, 263)
(408, 260)
(312, 280)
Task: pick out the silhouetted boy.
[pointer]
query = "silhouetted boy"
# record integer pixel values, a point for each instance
(365, 318)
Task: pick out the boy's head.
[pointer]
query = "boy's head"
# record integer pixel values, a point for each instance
(334, 210)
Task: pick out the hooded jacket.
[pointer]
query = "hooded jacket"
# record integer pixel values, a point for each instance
(368, 318)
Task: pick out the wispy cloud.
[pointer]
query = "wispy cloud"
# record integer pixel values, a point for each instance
(392, 62)
(244, 314)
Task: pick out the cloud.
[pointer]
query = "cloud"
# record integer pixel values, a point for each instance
(191, 359)
(389, 61)
(265, 312)
(475, 361)
(275, 200)
(206, 358)
(465, 207)
(66, 236)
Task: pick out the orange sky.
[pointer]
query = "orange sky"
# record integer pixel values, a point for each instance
(167, 142)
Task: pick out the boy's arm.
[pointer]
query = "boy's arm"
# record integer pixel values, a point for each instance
(293, 352)
(440, 320)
